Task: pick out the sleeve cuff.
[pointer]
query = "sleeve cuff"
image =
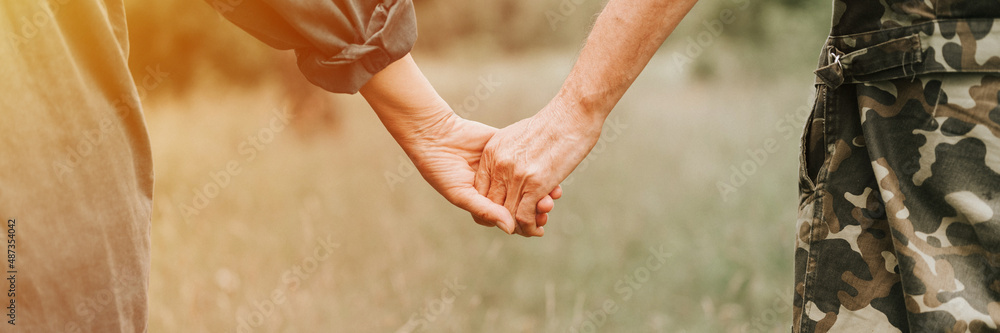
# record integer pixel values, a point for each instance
(390, 35)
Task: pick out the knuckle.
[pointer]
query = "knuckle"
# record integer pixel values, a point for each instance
(526, 222)
(527, 173)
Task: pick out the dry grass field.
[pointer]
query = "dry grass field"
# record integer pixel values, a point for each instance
(258, 228)
(313, 220)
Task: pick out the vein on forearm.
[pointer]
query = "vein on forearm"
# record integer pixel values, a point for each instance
(406, 103)
(626, 35)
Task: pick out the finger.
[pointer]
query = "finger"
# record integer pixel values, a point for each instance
(482, 222)
(525, 216)
(482, 184)
(484, 209)
(482, 180)
(545, 205)
(557, 192)
(541, 219)
(513, 202)
(536, 231)
(497, 192)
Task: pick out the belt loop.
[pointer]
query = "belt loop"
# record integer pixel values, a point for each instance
(833, 73)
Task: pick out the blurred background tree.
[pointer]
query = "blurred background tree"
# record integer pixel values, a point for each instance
(191, 41)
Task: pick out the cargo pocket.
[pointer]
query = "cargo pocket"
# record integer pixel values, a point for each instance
(812, 148)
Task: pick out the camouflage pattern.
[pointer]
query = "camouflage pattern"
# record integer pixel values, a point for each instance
(884, 40)
(898, 228)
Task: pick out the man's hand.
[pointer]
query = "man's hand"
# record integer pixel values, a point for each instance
(525, 162)
(448, 156)
(445, 148)
(530, 158)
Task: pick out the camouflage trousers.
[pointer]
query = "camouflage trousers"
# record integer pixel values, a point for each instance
(899, 186)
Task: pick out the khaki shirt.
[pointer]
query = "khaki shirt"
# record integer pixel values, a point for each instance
(76, 174)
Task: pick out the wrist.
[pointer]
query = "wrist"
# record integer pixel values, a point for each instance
(407, 105)
(416, 135)
(587, 115)
(587, 106)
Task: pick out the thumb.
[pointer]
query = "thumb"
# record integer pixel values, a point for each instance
(469, 199)
(481, 182)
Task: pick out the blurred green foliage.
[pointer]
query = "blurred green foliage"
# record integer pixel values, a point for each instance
(653, 185)
(189, 39)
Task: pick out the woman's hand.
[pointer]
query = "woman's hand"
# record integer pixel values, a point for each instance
(447, 156)
(526, 160)
(445, 148)
(524, 163)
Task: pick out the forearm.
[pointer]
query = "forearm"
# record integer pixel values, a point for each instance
(624, 38)
(445, 148)
(406, 103)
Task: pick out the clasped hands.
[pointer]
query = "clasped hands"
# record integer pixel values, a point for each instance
(508, 178)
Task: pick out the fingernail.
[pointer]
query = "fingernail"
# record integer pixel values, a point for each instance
(505, 227)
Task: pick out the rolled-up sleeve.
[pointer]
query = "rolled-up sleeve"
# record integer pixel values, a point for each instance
(340, 44)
